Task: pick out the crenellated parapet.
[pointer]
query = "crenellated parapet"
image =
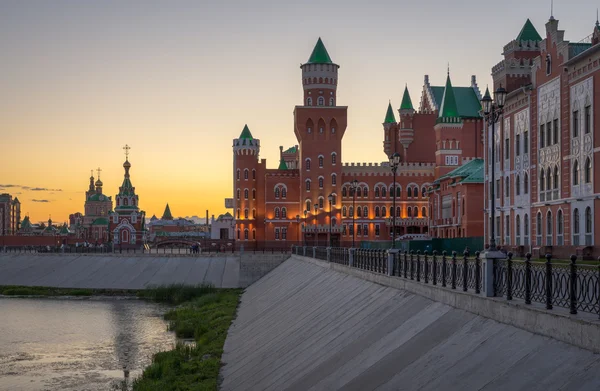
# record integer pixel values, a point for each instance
(383, 169)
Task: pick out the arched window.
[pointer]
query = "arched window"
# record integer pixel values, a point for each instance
(133, 201)
(548, 179)
(358, 229)
(559, 223)
(518, 185)
(398, 192)
(276, 192)
(365, 192)
(538, 227)
(383, 192)
(377, 192)
(344, 192)
(307, 164)
(284, 213)
(320, 182)
(588, 220)
(409, 192)
(526, 225)
(416, 192)
(246, 174)
(321, 202)
(383, 211)
(333, 221)
(365, 211)
(245, 194)
(376, 211)
(549, 228)
(254, 234)
(308, 184)
(359, 212)
(576, 222)
(320, 101)
(333, 158)
(588, 171)
(309, 101)
(423, 212)
(416, 211)
(276, 213)
(308, 206)
(351, 211)
(125, 201)
(333, 179)
(358, 192)
(344, 211)
(518, 229)
(238, 213)
(253, 213)
(321, 161)
(253, 194)
(398, 211)
(237, 175)
(542, 180)
(526, 183)
(330, 101)
(253, 174)
(575, 173)
(283, 192)
(555, 177)
(423, 191)
(409, 211)
(124, 236)
(246, 213)
(238, 193)
(238, 233)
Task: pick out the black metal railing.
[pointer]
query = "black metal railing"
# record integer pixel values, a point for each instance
(340, 255)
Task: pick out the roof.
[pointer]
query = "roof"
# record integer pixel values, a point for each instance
(471, 172)
(98, 197)
(406, 101)
(319, 54)
(100, 221)
(578, 48)
(293, 149)
(226, 216)
(466, 100)
(16, 201)
(448, 108)
(282, 165)
(26, 223)
(246, 133)
(167, 214)
(528, 33)
(389, 115)
(64, 230)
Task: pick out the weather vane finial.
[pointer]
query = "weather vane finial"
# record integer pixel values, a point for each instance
(126, 148)
(448, 68)
(99, 170)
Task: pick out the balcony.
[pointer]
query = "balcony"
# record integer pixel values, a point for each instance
(321, 228)
(406, 222)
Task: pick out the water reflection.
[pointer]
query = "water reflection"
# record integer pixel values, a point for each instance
(48, 344)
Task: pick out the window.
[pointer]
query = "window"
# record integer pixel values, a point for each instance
(409, 212)
(253, 213)
(320, 182)
(365, 230)
(246, 213)
(424, 212)
(518, 229)
(576, 123)
(308, 205)
(333, 179)
(498, 188)
(283, 233)
(307, 164)
(344, 211)
(538, 227)
(359, 212)
(526, 142)
(555, 131)
(333, 158)
(575, 173)
(383, 211)
(253, 234)
(253, 174)
(351, 229)
(321, 161)
(321, 203)
(507, 187)
(365, 211)
(238, 194)
(399, 190)
(284, 213)
(377, 192)
(331, 104)
(548, 179)
(320, 101)
(246, 234)
(358, 192)
(308, 185)
(526, 226)
(383, 192)
(351, 211)
(237, 175)
(276, 192)
(344, 229)
(542, 136)
(376, 229)
(549, 229)
(555, 177)
(451, 160)
(365, 192)
(276, 213)
(559, 223)
(334, 199)
(398, 211)
(549, 134)
(518, 145)
(587, 171)
(548, 64)
(542, 180)
(238, 213)
(238, 234)
(588, 119)
(245, 194)
(358, 230)
(253, 194)
(526, 184)
(309, 101)
(409, 192)
(246, 174)
(376, 211)
(507, 226)
(588, 226)
(506, 146)
(423, 192)
(283, 193)
(344, 192)
(276, 233)
(517, 185)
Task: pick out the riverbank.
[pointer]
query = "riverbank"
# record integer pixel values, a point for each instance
(40, 291)
(206, 320)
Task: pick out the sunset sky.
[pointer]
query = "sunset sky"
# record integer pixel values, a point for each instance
(177, 81)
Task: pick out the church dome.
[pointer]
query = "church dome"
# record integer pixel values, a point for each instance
(98, 183)
(127, 164)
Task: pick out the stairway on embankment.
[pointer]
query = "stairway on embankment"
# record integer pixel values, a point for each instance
(307, 327)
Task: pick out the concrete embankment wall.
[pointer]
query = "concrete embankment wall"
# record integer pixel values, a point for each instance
(114, 271)
(307, 327)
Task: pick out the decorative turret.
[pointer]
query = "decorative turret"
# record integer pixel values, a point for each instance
(167, 214)
(282, 165)
(448, 113)
(390, 118)
(390, 129)
(246, 144)
(91, 188)
(99, 183)
(596, 33)
(406, 133)
(406, 107)
(127, 199)
(319, 78)
(528, 33)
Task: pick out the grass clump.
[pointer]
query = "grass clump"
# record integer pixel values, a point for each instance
(44, 291)
(175, 293)
(206, 318)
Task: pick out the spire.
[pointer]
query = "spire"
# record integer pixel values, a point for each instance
(91, 181)
(406, 101)
(319, 54)
(528, 33)
(282, 164)
(551, 9)
(448, 109)
(389, 116)
(167, 214)
(246, 133)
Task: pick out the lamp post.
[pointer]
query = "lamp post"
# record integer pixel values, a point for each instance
(316, 223)
(330, 198)
(492, 110)
(353, 187)
(394, 163)
(298, 221)
(304, 234)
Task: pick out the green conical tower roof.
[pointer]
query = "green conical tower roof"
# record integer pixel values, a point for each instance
(167, 214)
(528, 33)
(448, 109)
(406, 102)
(282, 165)
(389, 116)
(319, 54)
(246, 133)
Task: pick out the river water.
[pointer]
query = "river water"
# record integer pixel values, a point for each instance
(63, 344)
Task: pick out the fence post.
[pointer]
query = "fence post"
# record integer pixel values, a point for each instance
(453, 271)
(434, 271)
(548, 282)
(405, 267)
(328, 254)
(573, 286)
(418, 265)
(444, 266)
(477, 273)
(350, 257)
(465, 270)
(509, 277)
(412, 265)
(598, 286)
(426, 266)
(391, 258)
(528, 278)
(314, 252)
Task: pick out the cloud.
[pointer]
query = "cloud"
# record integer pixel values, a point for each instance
(28, 188)
(6, 186)
(40, 200)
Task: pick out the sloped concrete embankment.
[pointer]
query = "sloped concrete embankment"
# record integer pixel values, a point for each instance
(305, 327)
(133, 272)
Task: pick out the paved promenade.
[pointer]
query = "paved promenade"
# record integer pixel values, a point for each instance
(306, 327)
(133, 272)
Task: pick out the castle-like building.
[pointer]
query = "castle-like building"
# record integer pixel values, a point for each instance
(313, 196)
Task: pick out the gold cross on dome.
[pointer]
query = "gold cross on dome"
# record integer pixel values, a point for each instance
(99, 170)
(126, 148)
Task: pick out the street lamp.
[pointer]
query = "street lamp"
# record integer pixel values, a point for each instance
(330, 198)
(394, 163)
(304, 234)
(353, 187)
(492, 110)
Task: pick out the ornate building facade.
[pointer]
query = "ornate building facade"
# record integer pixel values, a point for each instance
(310, 197)
(10, 215)
(547, 186)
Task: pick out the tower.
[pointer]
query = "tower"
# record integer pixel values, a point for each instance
(390, 130)
(319, 125)
(406, 126)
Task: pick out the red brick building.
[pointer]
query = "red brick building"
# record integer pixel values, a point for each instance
(10, 215)
(547, 187)
(309, 197)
